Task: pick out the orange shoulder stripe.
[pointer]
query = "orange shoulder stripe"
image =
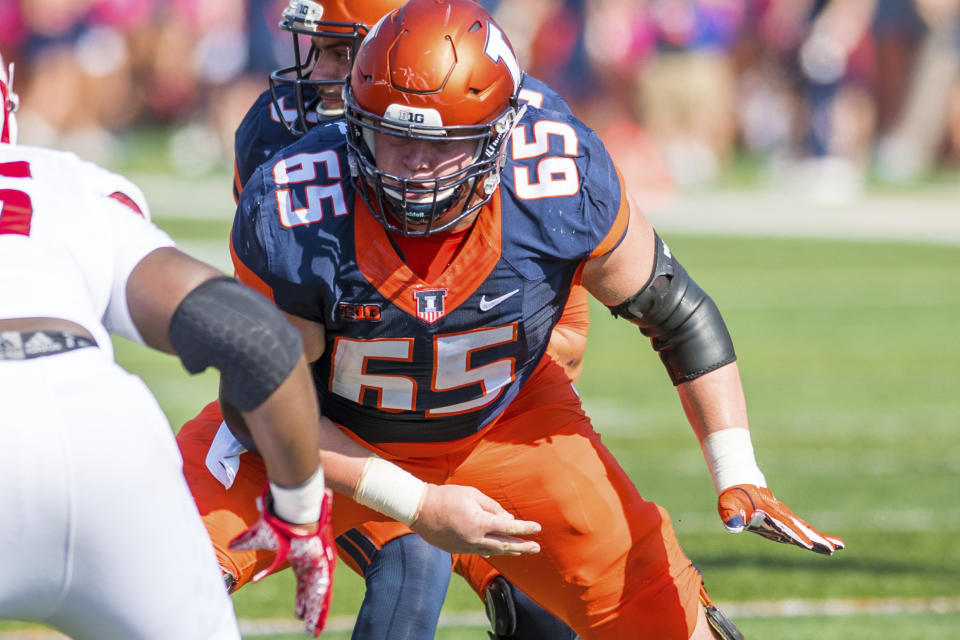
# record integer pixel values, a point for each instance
(237, 187)
(619, 227)
(244, 274)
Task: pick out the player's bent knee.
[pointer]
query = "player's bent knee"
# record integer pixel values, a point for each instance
(407, 582)
(420, 562)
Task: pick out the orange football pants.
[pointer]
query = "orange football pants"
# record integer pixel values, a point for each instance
(610, 565)
(228, 512)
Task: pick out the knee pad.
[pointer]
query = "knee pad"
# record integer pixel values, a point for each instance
(500, 608)
(515, 616)
(718, 621)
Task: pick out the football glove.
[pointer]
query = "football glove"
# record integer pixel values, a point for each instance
(747, 506)
(312, 557)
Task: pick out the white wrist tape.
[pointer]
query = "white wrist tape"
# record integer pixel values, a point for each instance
(299, 505)
(729, 456)
(385, 487)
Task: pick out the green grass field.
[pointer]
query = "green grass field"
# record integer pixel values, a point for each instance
(851, 363)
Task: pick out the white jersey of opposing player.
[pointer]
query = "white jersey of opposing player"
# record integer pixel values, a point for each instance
(104, 539)
(70, 234)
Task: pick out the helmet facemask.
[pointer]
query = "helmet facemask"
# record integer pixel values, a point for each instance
(302, 19)
(424, 206)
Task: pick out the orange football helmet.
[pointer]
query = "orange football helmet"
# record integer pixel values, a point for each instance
(345, 20)
(10, 102)
(432, 70)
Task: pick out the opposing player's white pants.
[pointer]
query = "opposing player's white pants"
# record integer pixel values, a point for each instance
(99, 537)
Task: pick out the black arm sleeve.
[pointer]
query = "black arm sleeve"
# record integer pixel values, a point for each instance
(225, 325)
(683, 323)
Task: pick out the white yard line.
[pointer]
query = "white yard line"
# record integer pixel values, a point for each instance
(840, 607)
(831, 608)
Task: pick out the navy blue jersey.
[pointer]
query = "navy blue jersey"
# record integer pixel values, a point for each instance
(261, 133)
(540, 95)
(413, 361)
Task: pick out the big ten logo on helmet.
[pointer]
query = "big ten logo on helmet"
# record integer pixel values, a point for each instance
(304, 11)
(409, 116)
(350, 312)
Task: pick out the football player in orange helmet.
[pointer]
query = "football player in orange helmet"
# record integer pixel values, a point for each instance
(406, 578)
(442, 149)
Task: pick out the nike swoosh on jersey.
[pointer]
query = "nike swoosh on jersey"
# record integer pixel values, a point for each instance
(486, 305)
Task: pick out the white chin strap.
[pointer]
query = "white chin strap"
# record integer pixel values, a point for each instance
(330, 113)
(368, 139)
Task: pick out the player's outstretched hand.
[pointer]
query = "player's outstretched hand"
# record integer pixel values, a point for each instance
(310, 551)
(462, 519)
(747, 506)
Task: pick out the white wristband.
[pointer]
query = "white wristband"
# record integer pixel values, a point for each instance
(385, 487)
(729, 456)
(299, 505)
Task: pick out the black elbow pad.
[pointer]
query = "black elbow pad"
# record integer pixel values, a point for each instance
(225, 325)
(683, 323)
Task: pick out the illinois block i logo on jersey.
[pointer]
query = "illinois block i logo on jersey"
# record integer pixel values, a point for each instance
(430, 306)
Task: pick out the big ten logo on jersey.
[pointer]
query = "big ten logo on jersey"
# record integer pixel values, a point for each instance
(350, 312)
(308, 187)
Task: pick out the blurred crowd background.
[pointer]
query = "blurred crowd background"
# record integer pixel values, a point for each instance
(824, 95)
